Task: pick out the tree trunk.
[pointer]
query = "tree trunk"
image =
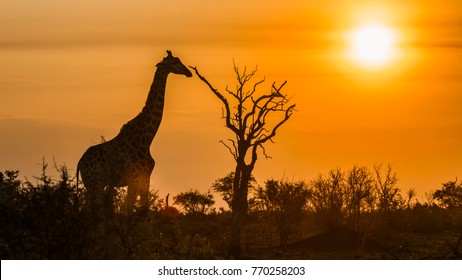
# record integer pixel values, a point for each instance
(241, 185)
(236, 225)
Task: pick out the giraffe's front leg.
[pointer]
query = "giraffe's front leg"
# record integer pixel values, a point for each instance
(131, 198)
(144, 183)
(139, 186)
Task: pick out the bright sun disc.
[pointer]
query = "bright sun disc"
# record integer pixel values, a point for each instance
(372, 45)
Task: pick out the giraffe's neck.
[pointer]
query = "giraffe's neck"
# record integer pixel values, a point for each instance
(153, 110)
(143, 127)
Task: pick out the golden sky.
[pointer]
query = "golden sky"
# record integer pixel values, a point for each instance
(72, 71)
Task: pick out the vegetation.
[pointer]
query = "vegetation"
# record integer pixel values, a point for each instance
(357, 213)
(450, 195)
(224, 186)
(193, 201)
(283, 204)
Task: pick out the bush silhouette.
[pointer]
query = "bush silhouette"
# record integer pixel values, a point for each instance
(47, 218)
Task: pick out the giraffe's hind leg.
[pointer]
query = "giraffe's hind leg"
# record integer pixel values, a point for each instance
(94, 199)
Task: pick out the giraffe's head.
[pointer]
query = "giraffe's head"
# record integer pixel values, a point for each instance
(173, 65)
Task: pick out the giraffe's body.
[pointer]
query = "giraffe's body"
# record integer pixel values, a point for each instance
(126, 160)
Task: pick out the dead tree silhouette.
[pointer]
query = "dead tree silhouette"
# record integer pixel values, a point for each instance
(250, 118)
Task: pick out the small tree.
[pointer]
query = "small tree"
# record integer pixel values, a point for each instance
(450, 195)
(12, 207)
(328, 197)
(254, 120)
(359, 193)
(389, 197)
(450, 198)
(284, 202)
(193, 201)
(224, 186)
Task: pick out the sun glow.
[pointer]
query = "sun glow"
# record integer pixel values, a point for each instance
(372, 46)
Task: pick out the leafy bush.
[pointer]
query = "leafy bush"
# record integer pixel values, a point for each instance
(50, 219)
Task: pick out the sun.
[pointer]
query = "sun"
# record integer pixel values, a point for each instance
(372, 46)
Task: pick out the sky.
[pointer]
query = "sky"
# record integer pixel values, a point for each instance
(73, 71)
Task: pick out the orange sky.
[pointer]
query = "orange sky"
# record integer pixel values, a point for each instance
(72, 71)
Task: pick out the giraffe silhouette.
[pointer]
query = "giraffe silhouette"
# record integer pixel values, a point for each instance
(126, 160)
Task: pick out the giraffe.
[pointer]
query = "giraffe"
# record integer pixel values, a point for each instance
(126, 160)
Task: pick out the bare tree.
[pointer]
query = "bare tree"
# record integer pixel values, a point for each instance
(254, 120)
(328, 197)
(359, 192)
(385, 183)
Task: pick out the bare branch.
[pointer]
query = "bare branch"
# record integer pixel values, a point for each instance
(232, 93)
(278, 90)
(264, 152)
(250, 126)
(272, 102)
(222, 98)
(288, 114)
(233, 150)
